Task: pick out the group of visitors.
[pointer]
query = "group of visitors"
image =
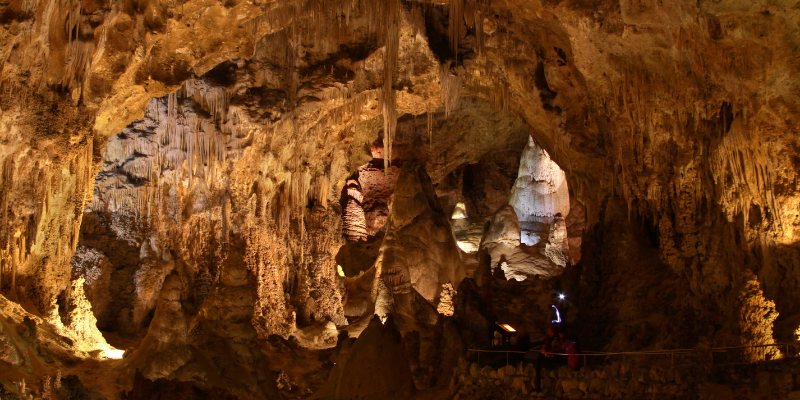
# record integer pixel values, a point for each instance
(560, 347)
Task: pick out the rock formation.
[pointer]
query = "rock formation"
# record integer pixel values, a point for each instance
(540, 192)
(217, 188)
(419, 252)
(502, 241)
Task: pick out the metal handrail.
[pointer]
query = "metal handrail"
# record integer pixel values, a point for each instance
(670, 352)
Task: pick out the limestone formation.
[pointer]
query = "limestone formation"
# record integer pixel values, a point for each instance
(216, 189)
(372, 367)
(419, 252)
(376, 367)
(502, 241)
(540, 191)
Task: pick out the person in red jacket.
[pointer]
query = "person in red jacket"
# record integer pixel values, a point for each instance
(544, 358)
(569, 343)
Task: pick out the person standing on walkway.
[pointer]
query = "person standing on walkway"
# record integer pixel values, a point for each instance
(545, 357)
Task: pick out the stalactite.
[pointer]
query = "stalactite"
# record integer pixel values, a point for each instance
(478, 30)
(430, 128)
(15, 259)
(388, 95)
(749, 168)
(451, 87)
(78, 58)
(455, 22)
(322, 187)
(79, 53)
(283, 207)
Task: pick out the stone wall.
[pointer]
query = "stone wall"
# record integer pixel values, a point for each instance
(618, 380)
(614, 381)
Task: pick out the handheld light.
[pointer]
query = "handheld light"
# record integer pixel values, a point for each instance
(558, 316)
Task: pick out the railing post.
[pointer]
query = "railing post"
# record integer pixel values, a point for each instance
(506, 359)
(672, 359)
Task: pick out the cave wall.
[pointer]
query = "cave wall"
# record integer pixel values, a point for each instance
(686, 111)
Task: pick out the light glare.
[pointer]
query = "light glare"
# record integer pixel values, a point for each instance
(558, 316)
(114, 353)
(508, 328)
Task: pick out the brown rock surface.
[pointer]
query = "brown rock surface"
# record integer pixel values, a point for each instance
(419, 252)
(375, 366)
(519, 262)
(213, 141)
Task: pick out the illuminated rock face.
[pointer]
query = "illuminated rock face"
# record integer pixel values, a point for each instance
(149, 140)
(419, 251)
(519, 262)
(540, 192)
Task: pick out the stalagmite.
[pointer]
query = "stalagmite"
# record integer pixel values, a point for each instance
(540, 191)
(354, 223)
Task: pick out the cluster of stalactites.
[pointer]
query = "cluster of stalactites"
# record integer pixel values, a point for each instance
(328, 24)
(61, 191)
(739, 165)
(540, 192)
(471, 13)
(324, 21)
(743, 171)
(177, 148)
(293, 194)
(80, 54)
(345, 108)
(194, 141)
(451, 87)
